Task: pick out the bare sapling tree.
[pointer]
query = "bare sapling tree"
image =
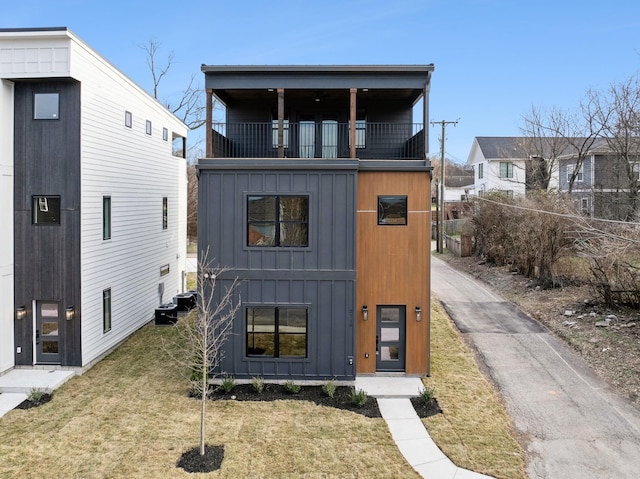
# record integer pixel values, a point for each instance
(199, 340)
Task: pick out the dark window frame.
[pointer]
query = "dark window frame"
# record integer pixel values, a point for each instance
(148, 127)
(250, 335)
(128, 119)
(383, 213)
(277, 222)
(40, 214)
(106, 310)
(37, 115)
(106, 217)
(165, 212)
(165, 134)
(508, 165)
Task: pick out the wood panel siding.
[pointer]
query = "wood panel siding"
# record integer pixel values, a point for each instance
(393, 264)
(47, 256)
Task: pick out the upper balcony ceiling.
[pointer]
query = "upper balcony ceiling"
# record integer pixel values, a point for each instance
(401, 83)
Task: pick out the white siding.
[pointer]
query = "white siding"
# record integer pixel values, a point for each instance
(137, 171)
(34, 57)
(6, 220)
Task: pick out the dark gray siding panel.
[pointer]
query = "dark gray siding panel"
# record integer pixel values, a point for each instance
(47, 257)
(320, 276)
(330, 339)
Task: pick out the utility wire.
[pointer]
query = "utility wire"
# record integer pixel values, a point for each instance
(564, 215)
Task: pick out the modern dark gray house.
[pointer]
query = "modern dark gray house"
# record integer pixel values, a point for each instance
(315, 194)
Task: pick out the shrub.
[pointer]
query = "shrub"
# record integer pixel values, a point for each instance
(258, 384)
(228, 383)
(428, 395)
(292, 388)
(35, 395)
(359, 397)
(329, 388)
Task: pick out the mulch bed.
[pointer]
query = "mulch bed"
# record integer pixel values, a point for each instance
(29, 403)
(192, 461)
(341, 399)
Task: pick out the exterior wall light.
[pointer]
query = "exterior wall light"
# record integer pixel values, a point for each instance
(365, 313)
(21, 313)
(69, 313)
(418, 313)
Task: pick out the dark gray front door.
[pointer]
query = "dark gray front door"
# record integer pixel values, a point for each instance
(390, 338)
(47, 337)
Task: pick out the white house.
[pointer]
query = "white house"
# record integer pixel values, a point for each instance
(92, 202)
(498, 164)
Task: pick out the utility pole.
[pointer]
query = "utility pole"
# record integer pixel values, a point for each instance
(444, 124)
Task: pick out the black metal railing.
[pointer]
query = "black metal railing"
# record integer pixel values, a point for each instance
(327, 139)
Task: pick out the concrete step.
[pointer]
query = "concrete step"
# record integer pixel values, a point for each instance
(8, 401)
(27, 380)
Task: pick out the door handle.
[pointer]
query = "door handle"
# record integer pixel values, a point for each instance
(377, 341)
(37, 336)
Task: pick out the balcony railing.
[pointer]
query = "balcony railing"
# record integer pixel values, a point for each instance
(327, 139)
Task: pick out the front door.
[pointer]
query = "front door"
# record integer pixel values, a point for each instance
(390, 338)
(47, 337)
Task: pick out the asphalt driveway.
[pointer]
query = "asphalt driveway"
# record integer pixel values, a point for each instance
(572, 424)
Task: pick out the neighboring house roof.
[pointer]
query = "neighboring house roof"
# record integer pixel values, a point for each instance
(501, 147)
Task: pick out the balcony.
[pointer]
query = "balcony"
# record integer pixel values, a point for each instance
(326, 139)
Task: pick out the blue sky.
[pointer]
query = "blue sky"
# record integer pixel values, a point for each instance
(493, 59)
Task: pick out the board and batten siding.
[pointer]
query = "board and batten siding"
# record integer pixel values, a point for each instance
(6, 220)
(320, 277)
(136, 170)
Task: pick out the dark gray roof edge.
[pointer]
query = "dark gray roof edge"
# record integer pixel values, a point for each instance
(318, 68)
(34, 29)
(394, 165)
(274, 164)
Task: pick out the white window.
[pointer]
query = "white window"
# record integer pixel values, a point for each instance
(571, 169)
(506, 169)
(46, 106)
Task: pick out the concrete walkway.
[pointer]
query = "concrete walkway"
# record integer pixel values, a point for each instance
(407, 430)
(17, 384)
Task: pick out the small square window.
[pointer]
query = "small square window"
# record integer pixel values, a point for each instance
(46, 106)
(46, 210)
(392, 210)
(148, 127)
(128, 119)
(165, 134)
(164, 270)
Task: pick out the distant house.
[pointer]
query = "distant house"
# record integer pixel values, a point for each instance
(604, 183)
(499, 164)
(92, 202)
(458, 187)
(315, 193)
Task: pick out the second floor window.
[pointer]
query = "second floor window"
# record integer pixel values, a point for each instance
(285, 133)
(570, 171)
(278, 220)
(506, 169)
(480, 170)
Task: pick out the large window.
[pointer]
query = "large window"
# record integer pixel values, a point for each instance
(46, 106)
(277, 221)
(277, 332)
(46, 210)
(106, 310)
(506, 169)
(392, 210)
(106, 217)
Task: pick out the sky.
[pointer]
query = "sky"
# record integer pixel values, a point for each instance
(494, 59)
